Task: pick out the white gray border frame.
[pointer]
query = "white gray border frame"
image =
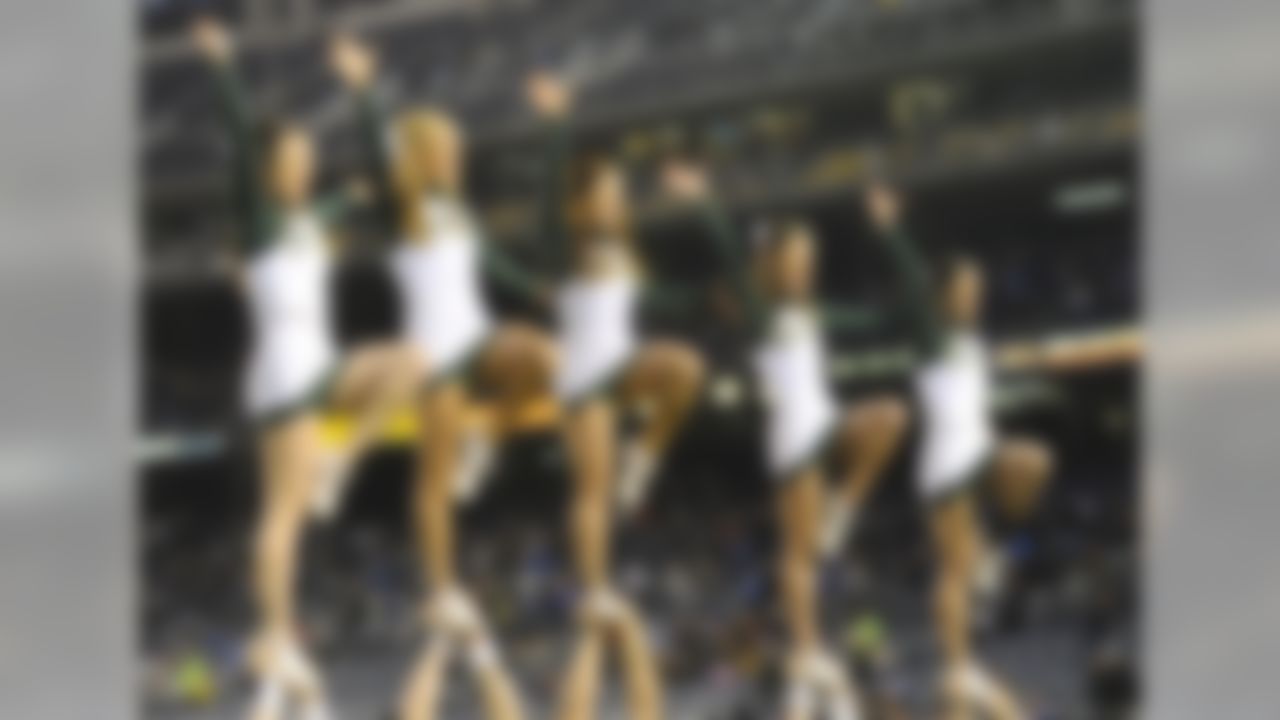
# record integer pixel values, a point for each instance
(67, 315)
(1212, 381)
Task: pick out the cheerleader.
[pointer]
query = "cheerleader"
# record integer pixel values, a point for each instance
(294, 371)
(961, 461)
(606, 368)
(804, 428)
(440, 263)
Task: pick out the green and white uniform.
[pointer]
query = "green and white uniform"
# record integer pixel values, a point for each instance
(602, 296)
(952, 385)
(954, 392)
(293, 352)
(445, 313)
(791, 373)
(788, 347)
(441, 276)
(598, 334)
(287, 266)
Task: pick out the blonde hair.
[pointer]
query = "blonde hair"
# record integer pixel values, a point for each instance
(420, 136)
(773, 238)
(584, 173)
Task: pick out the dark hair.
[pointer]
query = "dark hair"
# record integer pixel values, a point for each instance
(270, 130)
(769, 234)
(584, 171)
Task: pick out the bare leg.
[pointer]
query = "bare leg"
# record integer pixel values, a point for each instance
(373, 383)
(580, 692)
(1019, 475)
(498, 691)
(289, 452)
(441, 412)
(425, 686)
(518, 365)
(516, 369)
(289, 455)
(451, 611)
(799, 506)
(954, 527)
(639, 667)
(869, 437)
(665, 377)
(589, 434)
(663, 381)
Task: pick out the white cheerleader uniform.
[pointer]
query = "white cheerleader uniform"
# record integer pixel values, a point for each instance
(293, 352)
(801, 410)
(446, 317)
(954, 391)
(597, 326)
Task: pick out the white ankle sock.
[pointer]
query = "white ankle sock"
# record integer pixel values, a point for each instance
(474, 468)
(838, 523)
(268, 700)
(331, 486)
(637, 469)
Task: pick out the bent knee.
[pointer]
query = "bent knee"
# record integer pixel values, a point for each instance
(689, 368)
(1031, 459)
(881, 416)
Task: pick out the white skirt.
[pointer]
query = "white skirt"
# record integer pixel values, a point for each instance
(597, 333)
(957, 434)
(800, 409)
(445, 315)
(287, 372)
(293, 351)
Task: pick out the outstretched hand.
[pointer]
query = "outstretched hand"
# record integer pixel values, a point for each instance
(685, 180)
(548, 95)
(352, 61)
(883, 206)
(212, 40)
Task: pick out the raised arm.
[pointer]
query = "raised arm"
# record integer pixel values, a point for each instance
(851, 319)
(551, 100)
(355, 65)
(884, 210)
(506, 272)
(252, 208)
(687, 183)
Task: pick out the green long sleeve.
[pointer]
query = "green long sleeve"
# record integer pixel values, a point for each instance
(557, 149)
(508, 274)
(258, 220)
(913, 278)
(335, 207)
(846, 318)
(735, 266)
(373, 123)
(666, 300)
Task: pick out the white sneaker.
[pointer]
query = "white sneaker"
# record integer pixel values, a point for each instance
(300, 676)
(454, 613)
(800, 699)
(288, 674)
(818, 686)
(972, 683)
(474, 468)
(268, 700)
(319, 710)
(838, 522)
(990, 572)
(604, 605)
(331, 486)
(638, 467)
